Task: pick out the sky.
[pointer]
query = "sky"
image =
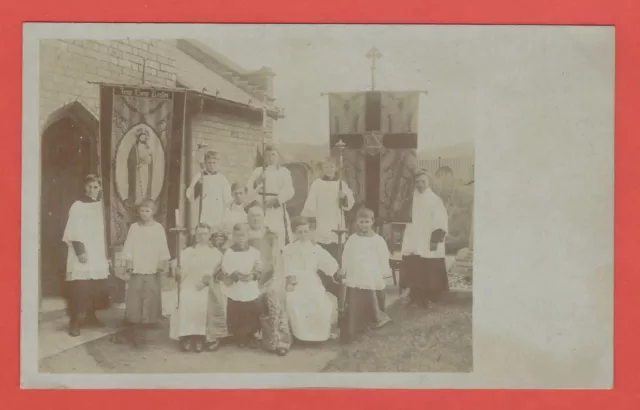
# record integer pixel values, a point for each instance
(454, 64)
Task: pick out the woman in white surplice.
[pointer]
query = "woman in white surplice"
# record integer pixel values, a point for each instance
(308, 304)
(423, 248)
(277, 185)
(199, 264)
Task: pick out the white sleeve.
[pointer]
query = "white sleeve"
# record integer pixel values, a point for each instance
(287, 191)
(163, 246)
(128, 249)
(252, 179)
(191, 188)
(384, 256)
(326, 263)
(226, 192)
(441, 217)
(350, 198)
(72, 229)
(310, 205)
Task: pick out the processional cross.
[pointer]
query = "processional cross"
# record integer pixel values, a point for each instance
(373, 55)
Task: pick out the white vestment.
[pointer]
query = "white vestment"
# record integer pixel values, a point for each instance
(215, 198)
(322, 204)
(429, 214)
(86, 225)
(308, 305)
(244, 262)
(146, 247)
(365, 261)
(191, 317)
(278, 184)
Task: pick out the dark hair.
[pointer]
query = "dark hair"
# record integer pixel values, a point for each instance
(298, 221)
(211, 154)
(237, 185)
(444, 170)
(92, 178)
(204, 225)
(240, 226)
(147, 203)
(365, 213)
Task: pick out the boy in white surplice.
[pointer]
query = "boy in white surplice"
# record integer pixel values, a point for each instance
(365, 264)
(199, 264)
(308, 304)
(213, 192)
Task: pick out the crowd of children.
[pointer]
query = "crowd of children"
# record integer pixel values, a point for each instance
(252, 275)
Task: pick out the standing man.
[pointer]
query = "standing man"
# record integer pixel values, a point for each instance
(87, 263)
(213, 192)
(423, 250)
(274, 182)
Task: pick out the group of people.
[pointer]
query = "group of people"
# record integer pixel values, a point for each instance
(254, 276)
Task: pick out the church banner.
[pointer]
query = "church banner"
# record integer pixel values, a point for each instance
(379, 129)
(141, 132)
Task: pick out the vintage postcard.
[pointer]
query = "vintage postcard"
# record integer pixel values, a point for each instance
(250, 206)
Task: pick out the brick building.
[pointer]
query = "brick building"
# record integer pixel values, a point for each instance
(224, 113)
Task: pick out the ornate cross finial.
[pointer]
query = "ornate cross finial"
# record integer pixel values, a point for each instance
(373, 55)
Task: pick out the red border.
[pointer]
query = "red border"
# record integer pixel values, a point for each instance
(622, 13)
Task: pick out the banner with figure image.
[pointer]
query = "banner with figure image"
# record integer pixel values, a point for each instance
(141, 131)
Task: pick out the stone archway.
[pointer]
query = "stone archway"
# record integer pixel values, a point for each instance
(68, 153)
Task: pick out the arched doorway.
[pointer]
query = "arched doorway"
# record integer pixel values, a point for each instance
(69, 153)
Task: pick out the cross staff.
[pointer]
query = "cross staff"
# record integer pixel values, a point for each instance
(373, 55)
(178, 230)
(340, 231)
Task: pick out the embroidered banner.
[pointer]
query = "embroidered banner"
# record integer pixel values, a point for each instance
(141, 133)
(379, 130)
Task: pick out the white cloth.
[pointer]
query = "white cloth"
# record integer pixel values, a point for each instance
(235, 214)
(86, 225)
(322, 203)
(146, 246)
(429, 214)
(197, 262)
(308, 305)
(244, 262)
(365, 261)
(215, 198)
(278, 181)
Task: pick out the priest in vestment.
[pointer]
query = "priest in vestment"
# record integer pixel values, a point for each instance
(423, 248)
(212, 191)
(308, 304)
(275, 182)
(87, 263)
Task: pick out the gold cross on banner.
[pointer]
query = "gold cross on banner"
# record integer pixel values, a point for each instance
(373, 142)
(373, 55)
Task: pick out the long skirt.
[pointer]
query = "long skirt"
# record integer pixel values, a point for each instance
(243, 318)
(217, 315)
(310, 310)
(426, 277)
(363, 309)
(192, 312)
(86, 297)
(144, 299)
(327, 281)
(276, 333)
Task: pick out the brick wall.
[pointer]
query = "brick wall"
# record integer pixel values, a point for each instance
(234, 138)
(66, 66)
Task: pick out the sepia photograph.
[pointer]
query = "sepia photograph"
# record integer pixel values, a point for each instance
(301, 199)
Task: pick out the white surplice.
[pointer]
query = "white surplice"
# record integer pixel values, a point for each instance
(86, 225)
(429, 214)
(278, 184)
(214, 200)
(146, 246)
(191, 317)
(322, 204)
(365, 261)
(245, 262)
(235, 215)
(308, 305)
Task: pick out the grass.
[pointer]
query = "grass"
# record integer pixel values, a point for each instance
(418, 340)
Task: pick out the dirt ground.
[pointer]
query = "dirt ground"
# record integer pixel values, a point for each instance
(438, 340)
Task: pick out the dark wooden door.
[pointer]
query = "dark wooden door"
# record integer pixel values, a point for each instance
(68, 155)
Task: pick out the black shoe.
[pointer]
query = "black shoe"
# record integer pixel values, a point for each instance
(74, 330)
(185, 344)
(213, 346)
(282, 351)
(198, 345)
